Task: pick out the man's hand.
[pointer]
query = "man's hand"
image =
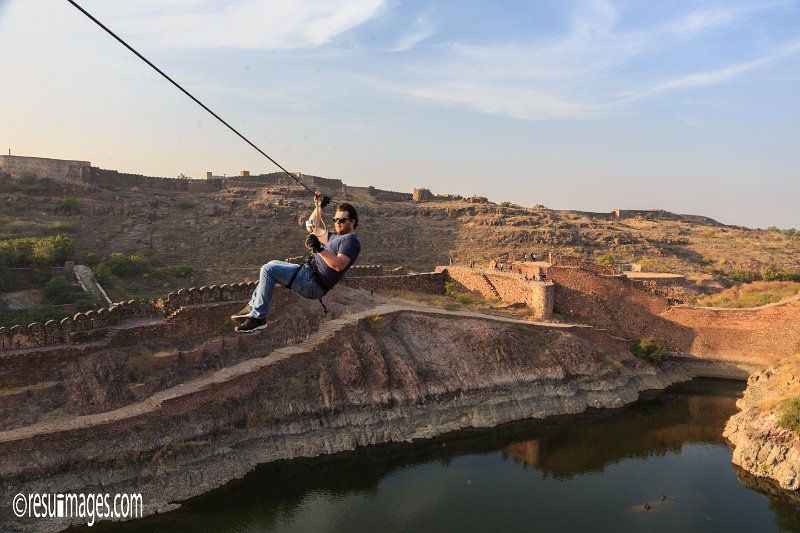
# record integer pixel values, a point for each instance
(312, 244)
(320, 200)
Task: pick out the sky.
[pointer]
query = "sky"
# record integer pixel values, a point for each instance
(689, 106)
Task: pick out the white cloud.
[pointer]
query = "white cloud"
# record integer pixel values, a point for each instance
(246, 24)
(516, 102)
(701, 20)
(721, 75)
(421, 30)
(591, 70)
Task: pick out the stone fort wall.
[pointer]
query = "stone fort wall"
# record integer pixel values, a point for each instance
(615, 303)
(82, 171)
(84, 327)
(41, 167)
(510, 288)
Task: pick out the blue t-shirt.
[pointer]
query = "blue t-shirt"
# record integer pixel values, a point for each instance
(348, 245)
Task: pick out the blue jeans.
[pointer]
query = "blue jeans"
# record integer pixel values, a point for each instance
(279, 272)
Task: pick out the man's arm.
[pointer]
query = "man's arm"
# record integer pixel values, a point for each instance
(337, 262)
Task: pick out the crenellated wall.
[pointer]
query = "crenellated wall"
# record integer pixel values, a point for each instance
(112, 178)
(85, 327)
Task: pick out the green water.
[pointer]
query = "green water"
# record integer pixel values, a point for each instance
(590, 472)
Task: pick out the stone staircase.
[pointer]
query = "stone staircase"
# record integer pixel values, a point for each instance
(492, 289)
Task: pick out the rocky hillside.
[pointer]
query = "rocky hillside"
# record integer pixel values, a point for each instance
(225, 235)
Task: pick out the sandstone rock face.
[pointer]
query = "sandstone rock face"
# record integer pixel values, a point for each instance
(389, 378)
(760, 446)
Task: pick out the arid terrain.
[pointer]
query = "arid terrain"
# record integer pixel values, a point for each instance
(225, 235)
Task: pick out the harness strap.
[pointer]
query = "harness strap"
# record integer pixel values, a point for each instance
(291, 280)
(315, 274)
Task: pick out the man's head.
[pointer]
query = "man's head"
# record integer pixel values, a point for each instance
(346, 219)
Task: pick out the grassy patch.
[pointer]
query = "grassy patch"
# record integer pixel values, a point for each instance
(789, 417)
(750, 294)
(649, 349)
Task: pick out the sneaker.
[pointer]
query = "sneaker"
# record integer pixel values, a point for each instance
(251, 325)
(243, 314)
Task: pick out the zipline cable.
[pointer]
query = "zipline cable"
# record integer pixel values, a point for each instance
(187, 93)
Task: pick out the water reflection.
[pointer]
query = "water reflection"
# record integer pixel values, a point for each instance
(595, 470)
(656, 425)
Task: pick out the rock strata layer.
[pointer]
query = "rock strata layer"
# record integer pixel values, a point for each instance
(386, 378)
(760, 446)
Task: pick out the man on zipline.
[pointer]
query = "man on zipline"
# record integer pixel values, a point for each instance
(331, 256)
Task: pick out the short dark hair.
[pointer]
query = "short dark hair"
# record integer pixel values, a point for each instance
(351, 212)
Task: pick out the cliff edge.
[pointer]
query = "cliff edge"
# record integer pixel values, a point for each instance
(760, 446)
(387, 374)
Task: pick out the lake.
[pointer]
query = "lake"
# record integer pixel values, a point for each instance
(660, 464)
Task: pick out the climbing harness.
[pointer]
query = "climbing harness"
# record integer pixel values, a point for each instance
(312, 265)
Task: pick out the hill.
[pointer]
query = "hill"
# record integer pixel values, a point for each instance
(193, 232)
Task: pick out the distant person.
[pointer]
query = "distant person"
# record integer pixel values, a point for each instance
(331, 255)
(533, 257)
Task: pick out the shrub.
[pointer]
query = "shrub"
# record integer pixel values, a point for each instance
(126, 266)
(68, 204)
(30, 251)
(450, 289)
(185, 204)
(789, 417)
(506, 204)
(769, 274)
(606, 259)
(92, 259)
(649, 349)
(52, 250)
(59, 291)
(16, 252)
(181, 271)
(745, 276)
(101, 274)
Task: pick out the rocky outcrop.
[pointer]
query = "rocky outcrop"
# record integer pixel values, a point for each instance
(378, 376)
(761, 447)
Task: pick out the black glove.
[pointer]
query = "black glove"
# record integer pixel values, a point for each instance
(312, 244)
(321, 200)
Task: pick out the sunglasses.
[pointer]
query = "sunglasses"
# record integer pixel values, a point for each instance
(340, 220)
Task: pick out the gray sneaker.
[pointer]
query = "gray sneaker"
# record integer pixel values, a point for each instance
(251, 325)
(244, 314)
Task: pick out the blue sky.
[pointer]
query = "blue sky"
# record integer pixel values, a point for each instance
(689, 106)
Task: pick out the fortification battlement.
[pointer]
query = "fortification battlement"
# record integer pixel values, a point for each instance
(83, 172)
(80, 328)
